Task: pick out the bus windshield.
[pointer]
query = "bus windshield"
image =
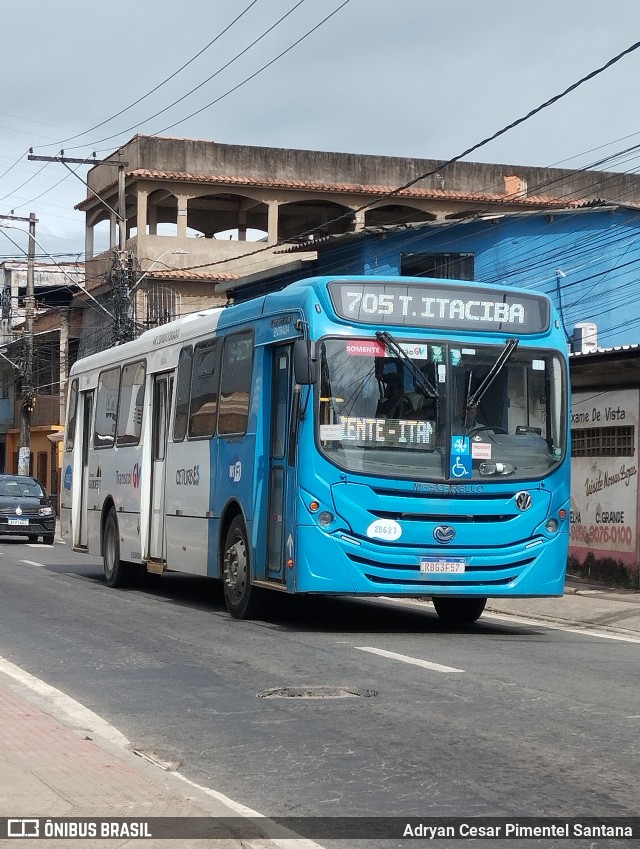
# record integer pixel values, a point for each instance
(441, 411)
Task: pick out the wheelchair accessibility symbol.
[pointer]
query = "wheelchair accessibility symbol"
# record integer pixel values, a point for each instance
(461, 466)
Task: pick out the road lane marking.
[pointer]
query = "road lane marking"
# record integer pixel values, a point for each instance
(610, 633)
(33, 563)
(416, 661)
(243, 811)
(578, 628)
(89, 721)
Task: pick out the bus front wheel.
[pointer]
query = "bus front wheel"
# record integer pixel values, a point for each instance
(115, 571)
(241, 598)
(458, 611)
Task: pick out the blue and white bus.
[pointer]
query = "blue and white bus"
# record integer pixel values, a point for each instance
(346, 435)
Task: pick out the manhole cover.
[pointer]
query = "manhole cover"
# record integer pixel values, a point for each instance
(316, 693)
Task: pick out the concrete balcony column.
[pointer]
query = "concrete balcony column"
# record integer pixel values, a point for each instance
(358, 220)
(141, 211)
(88, 241)
(152, 219)
(242, 226)
(272, 225)
(182, 217)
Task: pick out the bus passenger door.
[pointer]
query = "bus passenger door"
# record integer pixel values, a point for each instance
(281, 518)
(81, 531)
(162, 389)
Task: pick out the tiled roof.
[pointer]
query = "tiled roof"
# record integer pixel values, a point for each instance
(185, 274)
(177, 274)
(341, 188)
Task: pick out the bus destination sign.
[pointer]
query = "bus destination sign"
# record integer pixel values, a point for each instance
(439, 306)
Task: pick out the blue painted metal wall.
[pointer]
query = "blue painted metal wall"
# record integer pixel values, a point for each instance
(587, 260)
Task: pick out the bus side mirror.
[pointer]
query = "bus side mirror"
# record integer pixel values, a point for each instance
(305, 364)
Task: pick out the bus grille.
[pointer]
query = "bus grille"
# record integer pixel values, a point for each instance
(376, 579)
(439, 518)
(486, 574)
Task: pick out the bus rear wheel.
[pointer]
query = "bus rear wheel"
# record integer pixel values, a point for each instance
(241, 598)
(458, 611)
(115, 571)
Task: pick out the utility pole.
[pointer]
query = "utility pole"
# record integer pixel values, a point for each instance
(27, 394)
(120, 274)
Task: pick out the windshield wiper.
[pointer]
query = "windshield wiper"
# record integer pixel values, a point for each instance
(391, 345)
(496, 368)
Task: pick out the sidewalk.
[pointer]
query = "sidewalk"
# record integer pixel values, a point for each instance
(57, 762)
(583, 605)
(52, 765)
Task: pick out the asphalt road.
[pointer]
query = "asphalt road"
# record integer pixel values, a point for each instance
(384, 712)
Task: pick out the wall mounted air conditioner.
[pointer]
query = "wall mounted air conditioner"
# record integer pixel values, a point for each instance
(585, 338)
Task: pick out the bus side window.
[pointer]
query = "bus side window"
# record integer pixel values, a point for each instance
(237, 362)
(131, 404)
(204, 390)
(72, 415)
(183, 383)
(106, 408)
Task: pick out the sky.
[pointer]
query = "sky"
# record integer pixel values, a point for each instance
(415, 78)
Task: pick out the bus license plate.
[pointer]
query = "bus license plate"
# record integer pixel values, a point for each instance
(18, 521)
(443, 565)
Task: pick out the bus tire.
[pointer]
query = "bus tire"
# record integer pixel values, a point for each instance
(241, 597)
(115, 571)
(458, 611)
(48, 539)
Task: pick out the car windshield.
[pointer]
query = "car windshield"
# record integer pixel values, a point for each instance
(20, 487)
(377, 413)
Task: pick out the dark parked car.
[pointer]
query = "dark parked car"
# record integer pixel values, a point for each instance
(25, 509)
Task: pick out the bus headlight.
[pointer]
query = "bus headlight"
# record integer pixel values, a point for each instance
(551, 526)
(325, 518)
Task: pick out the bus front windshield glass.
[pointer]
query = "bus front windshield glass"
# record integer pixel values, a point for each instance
(441, 411)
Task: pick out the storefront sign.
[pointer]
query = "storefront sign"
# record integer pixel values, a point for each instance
(604, 471)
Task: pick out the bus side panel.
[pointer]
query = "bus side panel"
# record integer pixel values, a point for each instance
(235, 477)
(189, 479)
(115, 474)
(66, 497)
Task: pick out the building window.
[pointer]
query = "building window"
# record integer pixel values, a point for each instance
(163, 305)
(46, 368)
(448, 266)
(603, 442)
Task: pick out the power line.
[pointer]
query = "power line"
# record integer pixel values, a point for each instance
(260, 70)
(454, 159)
(204, 82)
(160, 84)
(135, 126)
